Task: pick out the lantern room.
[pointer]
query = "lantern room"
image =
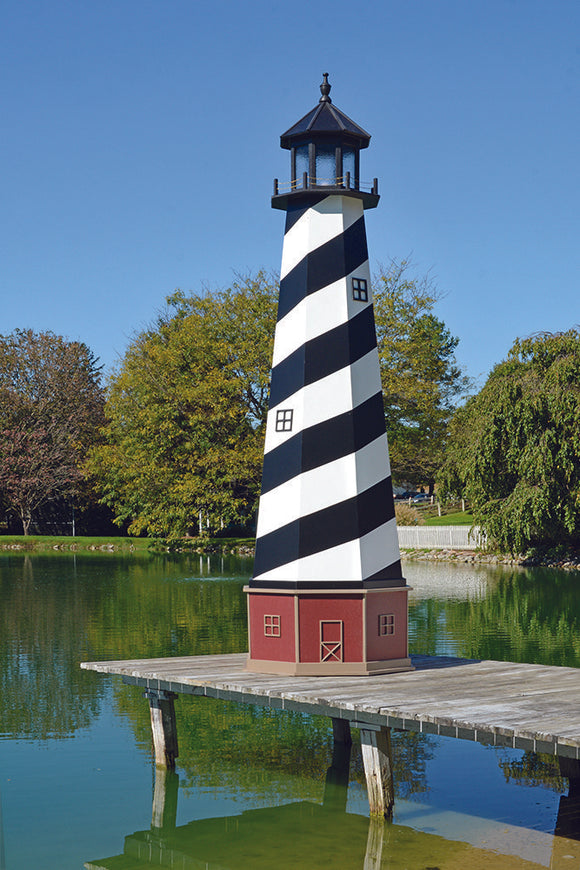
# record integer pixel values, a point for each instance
(325, 148)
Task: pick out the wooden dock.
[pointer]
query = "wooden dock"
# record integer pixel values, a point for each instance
(528, 707)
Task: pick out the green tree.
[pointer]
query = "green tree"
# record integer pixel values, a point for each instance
(51, 408)
(186, 413)
(420, 376)
(514, 448)
(187, 407)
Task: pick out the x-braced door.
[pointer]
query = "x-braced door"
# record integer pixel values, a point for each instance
(331, 640)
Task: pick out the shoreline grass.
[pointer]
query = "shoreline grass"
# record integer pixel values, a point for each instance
(461, 518)
(75, 543)
(122, 545)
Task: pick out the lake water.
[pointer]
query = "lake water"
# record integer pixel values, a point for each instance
(77, 780)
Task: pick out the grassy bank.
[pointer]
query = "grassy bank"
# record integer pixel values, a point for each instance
(80, 543)
(462, 518)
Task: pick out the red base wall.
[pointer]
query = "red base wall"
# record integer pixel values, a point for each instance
(302, 628)
(271, 648)
(391, 646)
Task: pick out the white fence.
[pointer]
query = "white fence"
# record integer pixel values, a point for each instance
(440, 537)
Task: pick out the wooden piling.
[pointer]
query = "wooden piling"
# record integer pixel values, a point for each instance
(570, 768)
(338, 774)
(341, 731)
(377, 760)
(163, 727)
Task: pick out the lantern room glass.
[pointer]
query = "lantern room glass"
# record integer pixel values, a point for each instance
(301, 163)
(348, 165)
(326, 165)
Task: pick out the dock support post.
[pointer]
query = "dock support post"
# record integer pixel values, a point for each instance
(568, 821)
(337, 775)
(163, 726)
(378, 765)
(341, 731)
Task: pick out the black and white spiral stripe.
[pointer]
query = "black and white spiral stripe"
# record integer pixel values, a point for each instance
(326, 515)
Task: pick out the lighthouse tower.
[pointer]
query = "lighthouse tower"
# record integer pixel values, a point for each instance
(327, 595)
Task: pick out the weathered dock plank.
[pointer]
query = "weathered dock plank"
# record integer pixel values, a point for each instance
(526, 706)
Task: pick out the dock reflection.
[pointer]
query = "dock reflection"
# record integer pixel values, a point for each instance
(316, 836)
(568, 823)
(2, 853)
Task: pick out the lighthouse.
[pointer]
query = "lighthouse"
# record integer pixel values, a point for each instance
(327, 595)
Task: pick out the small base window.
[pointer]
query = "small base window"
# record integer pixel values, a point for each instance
(386, 624)
(271, 625)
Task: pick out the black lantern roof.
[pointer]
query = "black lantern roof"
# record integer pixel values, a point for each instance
(325, 119)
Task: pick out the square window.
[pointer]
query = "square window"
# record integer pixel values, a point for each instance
(271, 625)
(386, 624)
(284, 420)
(360, 290)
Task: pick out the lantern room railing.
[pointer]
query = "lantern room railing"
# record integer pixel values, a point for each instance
(307, 182)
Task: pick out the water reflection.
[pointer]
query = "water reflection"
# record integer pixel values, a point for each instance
(260, 753)
(56, 611)
(568, 823)
(2, 850)
(306, 834)
(460, 582)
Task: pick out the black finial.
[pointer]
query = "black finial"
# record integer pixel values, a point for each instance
(325, 89)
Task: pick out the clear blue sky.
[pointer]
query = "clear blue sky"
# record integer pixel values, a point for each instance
(140, 139)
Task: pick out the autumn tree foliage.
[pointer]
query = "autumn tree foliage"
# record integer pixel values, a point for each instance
(514, 448)
(51, 408)
(187, 407)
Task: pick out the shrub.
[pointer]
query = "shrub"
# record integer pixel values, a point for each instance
(408, 516)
